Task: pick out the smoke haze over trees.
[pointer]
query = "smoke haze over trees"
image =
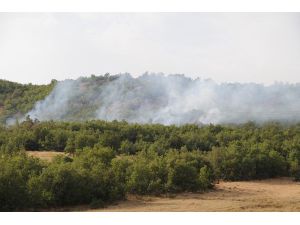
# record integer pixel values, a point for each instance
(173, 99)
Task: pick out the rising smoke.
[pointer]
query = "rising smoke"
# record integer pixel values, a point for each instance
(173, 99)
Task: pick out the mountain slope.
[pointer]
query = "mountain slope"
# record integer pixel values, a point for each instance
(151, 98)
(17, 99)
(172, 99)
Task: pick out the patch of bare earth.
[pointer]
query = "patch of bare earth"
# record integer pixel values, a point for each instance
(44, 155)
(280, 194)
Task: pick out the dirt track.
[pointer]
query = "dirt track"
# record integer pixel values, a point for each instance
(267, 195)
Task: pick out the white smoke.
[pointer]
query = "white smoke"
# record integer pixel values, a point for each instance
(173, 99)
(54, 105)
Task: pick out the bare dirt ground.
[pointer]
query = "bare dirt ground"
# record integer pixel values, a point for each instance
(45, 155)
(281, 194)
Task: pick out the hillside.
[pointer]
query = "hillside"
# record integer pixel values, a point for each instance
(150, 98)
(17, 99)
(173, 99)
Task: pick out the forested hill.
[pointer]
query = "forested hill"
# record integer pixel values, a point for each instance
(17, 99)
(150, 98)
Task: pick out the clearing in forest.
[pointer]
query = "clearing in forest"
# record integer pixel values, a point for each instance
(44, 155)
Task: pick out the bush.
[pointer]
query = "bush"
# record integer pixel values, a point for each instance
(16, 170)
(188, 171)
(206, 178)
(294, 165)
(182, 177)
(148, 174)
(87, 179)
(174, 172)
(127, 148)
(58, 185)
(243, 162)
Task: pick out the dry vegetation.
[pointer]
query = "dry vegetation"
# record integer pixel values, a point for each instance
(44, 155)
(281, 194)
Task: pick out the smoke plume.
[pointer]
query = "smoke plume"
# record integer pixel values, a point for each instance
(173, 99)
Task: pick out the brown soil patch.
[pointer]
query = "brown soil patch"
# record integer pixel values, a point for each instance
(281, 194)
(44, 155)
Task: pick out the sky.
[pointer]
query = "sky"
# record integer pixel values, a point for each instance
(225, 47)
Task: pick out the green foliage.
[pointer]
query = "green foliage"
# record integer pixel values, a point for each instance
(110, 159)
(148, 174)
(185, 169)
(17, 99)
(89, 178)
(59, 184)
(15, 171)
(294, 159)
(151, 173)
(127, 147)
(110, 139)
(243, 162)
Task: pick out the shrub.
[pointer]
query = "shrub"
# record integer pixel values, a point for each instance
(58, 185)
(14, 175)
(147, 175)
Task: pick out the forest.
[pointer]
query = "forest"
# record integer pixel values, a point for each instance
(105, 161)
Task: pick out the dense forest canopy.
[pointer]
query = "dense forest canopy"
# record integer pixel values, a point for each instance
(106, 160)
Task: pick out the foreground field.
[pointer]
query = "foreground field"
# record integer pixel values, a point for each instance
(280, 194)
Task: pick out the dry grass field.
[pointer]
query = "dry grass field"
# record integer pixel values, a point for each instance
(45, 155)
(281, 194)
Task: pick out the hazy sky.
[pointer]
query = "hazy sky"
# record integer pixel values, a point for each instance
(243, 47)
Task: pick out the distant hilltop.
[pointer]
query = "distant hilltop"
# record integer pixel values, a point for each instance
(150, 98)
